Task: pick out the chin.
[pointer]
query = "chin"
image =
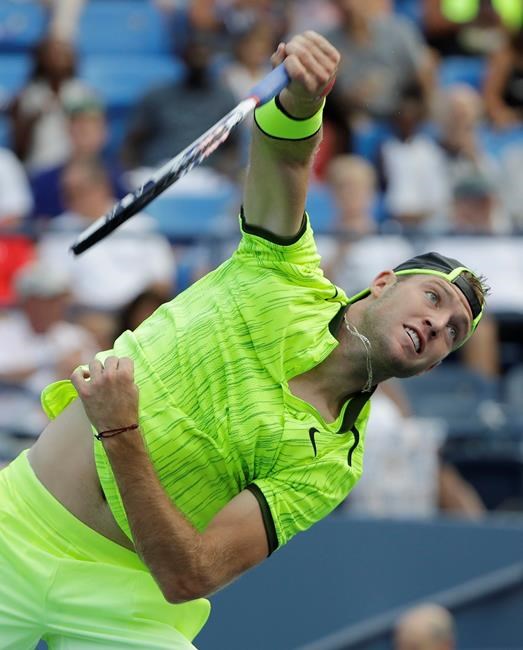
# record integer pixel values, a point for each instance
(396, 364)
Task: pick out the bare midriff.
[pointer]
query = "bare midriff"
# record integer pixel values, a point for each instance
(63, 460)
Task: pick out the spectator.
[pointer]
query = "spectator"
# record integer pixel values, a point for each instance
(100, 324)
(352, 181)
(121, 266)
(16, 246)
(425, 627)
(462, 110)
(413, 168)
(504, 84)
(223, 20)
(381, 55)
(470, 28)
(15, 195)
(404, 473)
(251, 52)
(171, 116)
(141, 307)
(39, 344)
(87, 128)
(357, 249)
(40, 134)
(476, 209)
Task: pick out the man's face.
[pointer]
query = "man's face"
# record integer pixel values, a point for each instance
(414, 323)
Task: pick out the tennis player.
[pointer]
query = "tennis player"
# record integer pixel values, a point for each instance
(229, 421)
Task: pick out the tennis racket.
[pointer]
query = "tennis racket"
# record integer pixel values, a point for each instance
(178, 166)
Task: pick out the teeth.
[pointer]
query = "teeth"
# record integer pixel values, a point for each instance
(414, 337)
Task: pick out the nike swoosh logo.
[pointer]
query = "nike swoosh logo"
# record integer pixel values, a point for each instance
(312, 432)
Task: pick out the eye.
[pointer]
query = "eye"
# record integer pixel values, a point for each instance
(453, 332)
(433, 297)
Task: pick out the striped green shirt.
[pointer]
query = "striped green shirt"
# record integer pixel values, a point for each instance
(216, 412)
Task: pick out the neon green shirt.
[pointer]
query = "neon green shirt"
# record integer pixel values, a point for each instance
(216, 412)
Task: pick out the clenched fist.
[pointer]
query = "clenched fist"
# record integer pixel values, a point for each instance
(108, 392)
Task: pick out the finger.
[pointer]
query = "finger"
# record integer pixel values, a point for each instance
(309, 66)
(126, 366)
(111, 364)
(318, 57)
(278, 56)
(324, 46)
(95, 369)
(314, 79)
(79, 379)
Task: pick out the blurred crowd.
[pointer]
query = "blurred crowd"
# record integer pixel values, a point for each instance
(422, 150)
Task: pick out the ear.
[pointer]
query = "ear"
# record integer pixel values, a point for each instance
(382, 282)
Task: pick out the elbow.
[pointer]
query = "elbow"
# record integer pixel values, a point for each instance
(179, 589)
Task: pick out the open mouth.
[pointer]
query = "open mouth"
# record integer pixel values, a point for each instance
(415, 338)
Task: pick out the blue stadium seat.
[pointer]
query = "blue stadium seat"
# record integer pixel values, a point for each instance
(461, 69)
(186, 218)
(4, 131)
(321, 209)
(496, 141)
(368, 138)
(122, 26)
(122, 79)
(14, 70)
(513, 388)
(411, 9)
(380, 211)
(22, 24)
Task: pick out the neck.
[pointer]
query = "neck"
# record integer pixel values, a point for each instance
(345, 372)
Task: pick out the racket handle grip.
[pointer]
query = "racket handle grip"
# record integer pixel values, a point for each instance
(271, 85)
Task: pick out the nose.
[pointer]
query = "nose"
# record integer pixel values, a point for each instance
(433, 327)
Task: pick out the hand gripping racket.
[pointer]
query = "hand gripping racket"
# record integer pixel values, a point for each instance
(178, 166)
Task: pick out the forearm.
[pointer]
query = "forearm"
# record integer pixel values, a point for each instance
(285, 139)
(277, 180)
(174, 551)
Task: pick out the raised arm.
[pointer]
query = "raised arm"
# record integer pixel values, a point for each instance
(279, 168)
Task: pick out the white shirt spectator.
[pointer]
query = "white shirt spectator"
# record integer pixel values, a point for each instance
(23, 349)
(51, 144)
(116, 269)
(15, 195)
(38, 346)
(401, 464)
(416, 177)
